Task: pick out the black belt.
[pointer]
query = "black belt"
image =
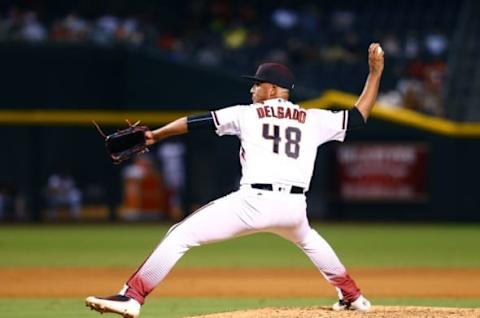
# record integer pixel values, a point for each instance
(269, 187)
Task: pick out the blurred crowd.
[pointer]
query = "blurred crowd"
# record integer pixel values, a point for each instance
(234, 35)
(152, 185)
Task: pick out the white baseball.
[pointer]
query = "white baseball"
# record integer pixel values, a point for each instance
(379, 50)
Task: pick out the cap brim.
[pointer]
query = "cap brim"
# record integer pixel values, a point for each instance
(253, 78)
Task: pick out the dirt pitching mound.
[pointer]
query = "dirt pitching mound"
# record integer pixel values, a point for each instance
(376, 312)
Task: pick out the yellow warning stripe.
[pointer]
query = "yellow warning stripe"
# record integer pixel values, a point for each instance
(85, 117)
(330, 98)
(401, 116)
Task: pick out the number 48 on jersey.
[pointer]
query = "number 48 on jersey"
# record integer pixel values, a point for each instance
(291, 135)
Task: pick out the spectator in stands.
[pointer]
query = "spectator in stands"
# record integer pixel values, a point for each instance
(72, 28)
(342, 20)
(411, 46)
(391, 45)
(436, 43)
(433, 82)
(285, 18)
(105, 29)
(171, 155)
(420, 88)
(128, 31)
(32, 30)
(411, 85)
(62, 194)
(209, 55)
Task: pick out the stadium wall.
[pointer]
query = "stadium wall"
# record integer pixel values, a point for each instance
(50, 94)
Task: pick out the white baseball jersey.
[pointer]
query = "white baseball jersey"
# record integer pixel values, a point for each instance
(279, 139)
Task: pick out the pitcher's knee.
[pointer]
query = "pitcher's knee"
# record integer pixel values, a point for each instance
(180, 239)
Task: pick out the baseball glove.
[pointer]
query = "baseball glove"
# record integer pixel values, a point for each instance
(125, 143)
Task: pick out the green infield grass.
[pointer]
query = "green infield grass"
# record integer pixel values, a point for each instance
(358, 245)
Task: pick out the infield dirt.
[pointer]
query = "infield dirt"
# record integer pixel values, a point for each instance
(275, 283)
(209, 282)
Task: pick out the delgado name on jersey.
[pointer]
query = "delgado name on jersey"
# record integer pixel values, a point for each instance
(281, 112)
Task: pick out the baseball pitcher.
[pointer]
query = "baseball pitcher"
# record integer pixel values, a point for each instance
(279, 143)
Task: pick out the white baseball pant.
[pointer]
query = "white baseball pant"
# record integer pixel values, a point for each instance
(243, 212)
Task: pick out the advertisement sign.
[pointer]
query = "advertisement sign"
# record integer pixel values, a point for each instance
(382, 171)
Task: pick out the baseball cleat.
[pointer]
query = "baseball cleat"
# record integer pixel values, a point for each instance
(360, 304)
(118, 304)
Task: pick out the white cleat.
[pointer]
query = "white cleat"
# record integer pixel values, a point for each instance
(360, 304)
(118, 304)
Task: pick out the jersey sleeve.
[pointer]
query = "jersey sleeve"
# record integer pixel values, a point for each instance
(227, 120)
(330, 125)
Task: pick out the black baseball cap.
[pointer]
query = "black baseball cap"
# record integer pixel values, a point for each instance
(274, 73)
